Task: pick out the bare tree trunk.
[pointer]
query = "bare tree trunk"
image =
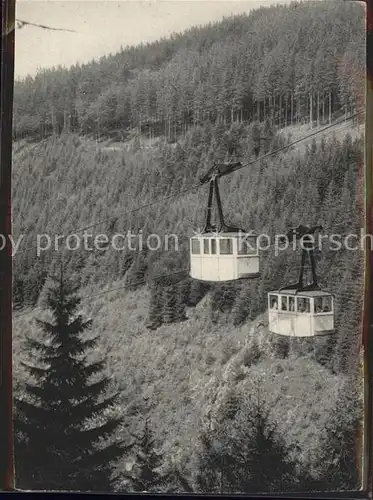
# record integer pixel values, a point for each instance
(286, 110)
(323, 108)
(330, 108)
(291, 108)
(298, 108)
(53, 121)
(68, 122)
(318, 109)
(311, 117)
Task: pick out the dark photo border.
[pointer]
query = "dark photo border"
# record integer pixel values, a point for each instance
(8, 24)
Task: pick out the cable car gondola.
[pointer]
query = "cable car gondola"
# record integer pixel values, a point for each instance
(296, 310)
(221, 252)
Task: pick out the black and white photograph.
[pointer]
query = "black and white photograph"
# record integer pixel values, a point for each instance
(188, 246)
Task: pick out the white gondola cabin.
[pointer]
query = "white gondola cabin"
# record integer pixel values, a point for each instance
(222, 252)
(224, 256)
(302, 314)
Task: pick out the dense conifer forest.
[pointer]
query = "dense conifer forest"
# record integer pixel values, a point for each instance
(202, 386)
(282, 62)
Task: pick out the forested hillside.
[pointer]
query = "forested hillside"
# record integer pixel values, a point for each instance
(118, 145)
(288, 63)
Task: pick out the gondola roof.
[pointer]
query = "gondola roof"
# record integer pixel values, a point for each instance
(305, 293)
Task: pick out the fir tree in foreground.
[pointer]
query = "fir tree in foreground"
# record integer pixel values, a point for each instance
(146, 475)
(339, 462)
(245, 454)
(64, 436)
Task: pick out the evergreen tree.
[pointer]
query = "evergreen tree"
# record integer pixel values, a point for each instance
(169, 310)
(324, 350)
(147, 475)
(181, 295)
(241, 309)
(216, 463)
(338, 462)
(263, 456)
(223, 297)
(64, 436)
(243, 453)
(230, 406)
(197, 292)
(282, 347)
(136, 274)
(252, 354)
(155, 308)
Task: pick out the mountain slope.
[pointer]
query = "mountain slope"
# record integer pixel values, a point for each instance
(278, 63)
(187, 370)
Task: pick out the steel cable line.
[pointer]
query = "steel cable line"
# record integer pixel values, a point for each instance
(297, 141)
(195, 186)
(173, 195)
(273, 245)
(137, 209)
(155, 278)
(122, 287)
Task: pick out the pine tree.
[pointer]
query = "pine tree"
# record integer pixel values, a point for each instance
(181, 294)
(255, 134)
(252, 354)
(264, 457)
(137, 272)
(324, 350)
(338, 462)
(146, 475)
(197, 291)
(64, 436)
(155, 308)
(242, 305)
(216, 463)
(282, 347)
(243, 453)
(230, 406)
(169, 311)
(223, 297)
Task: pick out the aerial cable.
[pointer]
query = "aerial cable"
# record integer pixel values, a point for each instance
(126, 286)
(135, 283)
(137, 209)
(195, 186)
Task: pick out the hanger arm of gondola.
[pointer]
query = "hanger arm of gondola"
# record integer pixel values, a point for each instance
(220, 170)
(307, 252)
(301, 231)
